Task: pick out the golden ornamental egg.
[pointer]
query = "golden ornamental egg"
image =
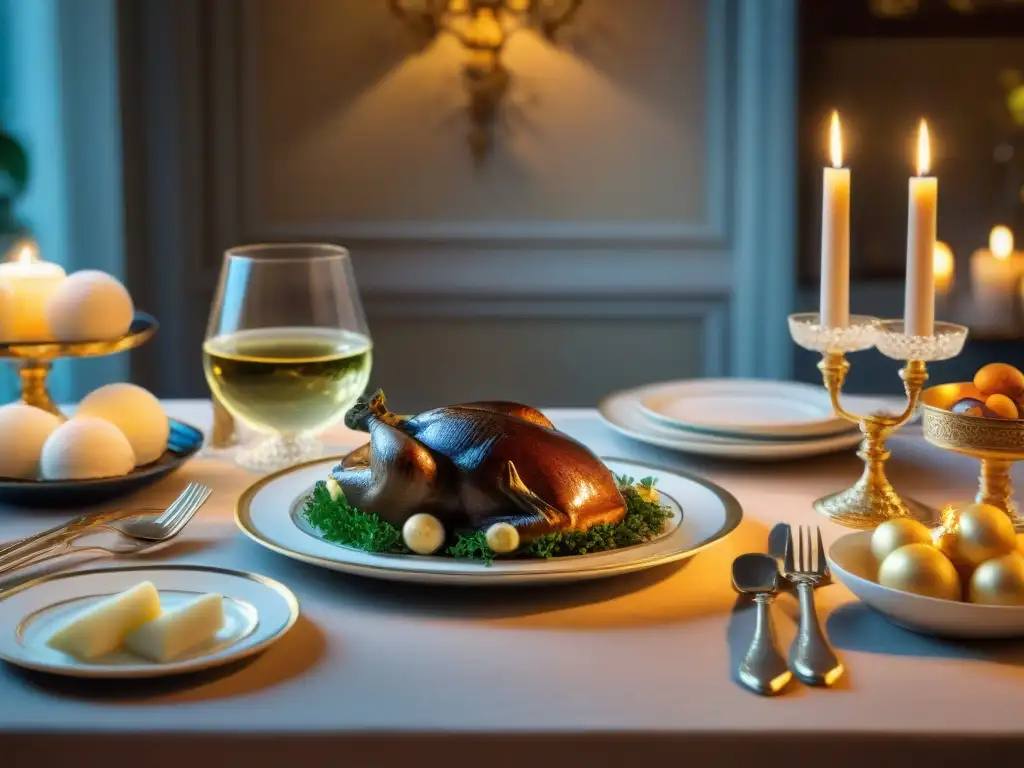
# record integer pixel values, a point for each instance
(999, 581)
(983, 532)
(893, 534)
(922, 570)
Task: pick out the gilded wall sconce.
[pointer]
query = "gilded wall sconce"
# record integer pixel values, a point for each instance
(484, 27)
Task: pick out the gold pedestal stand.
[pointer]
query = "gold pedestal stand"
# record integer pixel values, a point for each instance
(35, 359)
(996, 443)
(872, 500)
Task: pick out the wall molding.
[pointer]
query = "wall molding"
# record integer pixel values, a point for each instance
(710, 232)
(710, 311)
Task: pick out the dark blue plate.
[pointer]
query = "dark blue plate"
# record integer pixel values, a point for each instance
(183, 443)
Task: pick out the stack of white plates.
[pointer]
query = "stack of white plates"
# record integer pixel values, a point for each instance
(734, 418)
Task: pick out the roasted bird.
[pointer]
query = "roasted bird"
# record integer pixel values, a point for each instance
(473, 465)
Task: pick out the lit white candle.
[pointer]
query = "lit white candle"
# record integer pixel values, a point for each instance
(26, 283)
(834, 303)
(919, 306)
(995, 273)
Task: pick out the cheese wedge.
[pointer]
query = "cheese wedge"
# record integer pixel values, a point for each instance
(100, 629)
(178, 630)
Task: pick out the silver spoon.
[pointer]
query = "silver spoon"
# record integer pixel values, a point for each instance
(763, 670)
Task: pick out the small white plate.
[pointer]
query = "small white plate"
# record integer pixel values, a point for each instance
(743, 408)
(854, 566)
(257, 612)
(621, 411)
(269, 513)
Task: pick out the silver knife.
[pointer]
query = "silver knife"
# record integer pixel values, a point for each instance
(778, 538)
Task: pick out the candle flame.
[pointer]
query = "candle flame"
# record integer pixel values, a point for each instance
(924, 150)
(1000, 242)
(28, 253)
(835, 142)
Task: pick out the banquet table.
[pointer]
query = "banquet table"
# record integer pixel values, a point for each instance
(635, 669)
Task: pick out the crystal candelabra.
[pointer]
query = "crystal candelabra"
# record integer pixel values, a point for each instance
(872, 500)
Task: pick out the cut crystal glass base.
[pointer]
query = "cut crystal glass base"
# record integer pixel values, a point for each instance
(808, 332)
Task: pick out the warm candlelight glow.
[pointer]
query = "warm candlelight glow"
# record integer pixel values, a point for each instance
(835, 142)
(944, 267)
(26, 255)
(24, 251)
(1000, 242)
(924, 150)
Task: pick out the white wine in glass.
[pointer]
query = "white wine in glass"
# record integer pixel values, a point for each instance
(287, 350)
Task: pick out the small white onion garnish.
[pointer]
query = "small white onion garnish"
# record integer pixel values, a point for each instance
(502, 538)
(423, 534)
(333, 488)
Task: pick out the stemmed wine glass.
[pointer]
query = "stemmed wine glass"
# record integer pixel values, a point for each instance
(287, 348)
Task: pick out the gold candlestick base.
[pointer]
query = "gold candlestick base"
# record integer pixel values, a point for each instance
(872, 500)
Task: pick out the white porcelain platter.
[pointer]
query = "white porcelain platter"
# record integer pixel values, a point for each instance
(270, 513)
(622, 412)
(854, 566)
(743, 408)
(257, 612)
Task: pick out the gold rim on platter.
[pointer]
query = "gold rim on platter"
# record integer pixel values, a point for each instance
(731, 509)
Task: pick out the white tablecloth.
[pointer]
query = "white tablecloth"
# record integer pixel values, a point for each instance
(636, 669)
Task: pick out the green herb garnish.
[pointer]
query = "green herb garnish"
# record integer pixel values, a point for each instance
(643, 521)
(472, 547)
(341, 523)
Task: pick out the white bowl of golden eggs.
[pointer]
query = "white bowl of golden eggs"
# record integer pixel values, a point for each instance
(964, 578)
(114, 430)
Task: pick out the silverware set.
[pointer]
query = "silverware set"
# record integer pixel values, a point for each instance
(804, 569)
(137, 531)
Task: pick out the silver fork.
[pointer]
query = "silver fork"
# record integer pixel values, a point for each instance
(142, 534)
(811, 658)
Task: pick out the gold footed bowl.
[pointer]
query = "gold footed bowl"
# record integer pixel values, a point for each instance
(35, 359)
(997, 443)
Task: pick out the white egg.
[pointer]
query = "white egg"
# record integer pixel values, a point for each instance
(423, 534)
(136, 412)
(86, 448)
(23, 431)
(89, 305)
(502, 538)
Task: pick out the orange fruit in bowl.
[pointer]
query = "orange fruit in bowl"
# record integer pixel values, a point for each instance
(1000, 379)
(1002, 406)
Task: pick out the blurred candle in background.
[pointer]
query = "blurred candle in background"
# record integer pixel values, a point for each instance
(944, 266)
(834, 303)
(26, 283)
(995, 274)
(919, 304)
